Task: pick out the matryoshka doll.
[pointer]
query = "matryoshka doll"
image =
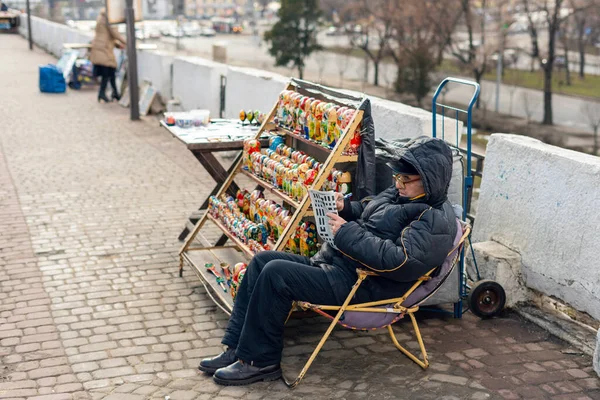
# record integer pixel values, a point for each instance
(254, 196)
(355, 142)
(318, 134)
(335, 176)
(295, 184)
(294, 241)
(332, 117)
(246, 204)
(306, 109)
(279, 172)
(324, 123)
(274, 142)
(285, 220)
(312, 119)
(298, 113)
(280, 104)
(339, 126)
(345, 183)
(284, 107)
(250, 146)
(262, 234)
(239, 271)
(291, 119)
(343, 121)
(308, 233)
(301, 189)
(275, 225)
(311, 175)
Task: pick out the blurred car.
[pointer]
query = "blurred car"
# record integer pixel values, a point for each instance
(207, 32)
(510, 57)
(174, 32)
(154, 34)
(191, 31)
(560, 61)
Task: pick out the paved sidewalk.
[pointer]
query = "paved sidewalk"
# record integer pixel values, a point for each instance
(91, 306)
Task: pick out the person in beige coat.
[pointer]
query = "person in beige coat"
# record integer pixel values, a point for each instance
(103, 57)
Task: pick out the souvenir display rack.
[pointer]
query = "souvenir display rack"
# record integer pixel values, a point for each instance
(198, 251)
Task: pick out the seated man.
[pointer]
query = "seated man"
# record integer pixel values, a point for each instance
(401, 234)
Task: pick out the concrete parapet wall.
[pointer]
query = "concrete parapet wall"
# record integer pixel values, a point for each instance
(597, 355)
(249, 88)
(542, 202)
(500, 264)
(156, 68)
(51, 35)
(196, 83)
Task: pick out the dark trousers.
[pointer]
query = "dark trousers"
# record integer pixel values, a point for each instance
(272, 282)
(106, 74)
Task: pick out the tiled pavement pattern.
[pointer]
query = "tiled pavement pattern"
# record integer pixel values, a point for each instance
(91, 306)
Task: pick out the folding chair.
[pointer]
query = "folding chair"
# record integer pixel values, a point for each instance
(383, 313)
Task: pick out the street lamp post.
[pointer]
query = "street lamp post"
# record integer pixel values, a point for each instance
(132, 62)
(29, 26)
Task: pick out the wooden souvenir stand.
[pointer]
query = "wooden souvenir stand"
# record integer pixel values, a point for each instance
(197, 249)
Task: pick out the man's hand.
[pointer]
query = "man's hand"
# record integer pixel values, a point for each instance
(339, 201)
(335, 222)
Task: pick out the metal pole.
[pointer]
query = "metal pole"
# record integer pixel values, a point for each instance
(500, 60)
(499, 78)
(29, 26)
(132, 62)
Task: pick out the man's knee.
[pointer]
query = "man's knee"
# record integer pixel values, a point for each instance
(262, 258)
(272, 269)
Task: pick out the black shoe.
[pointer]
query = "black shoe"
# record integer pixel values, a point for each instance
(225, 359)
(116, 97)
(241, 373)
(103, 98)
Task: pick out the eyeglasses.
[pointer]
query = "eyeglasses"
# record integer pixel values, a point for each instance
(402, 182)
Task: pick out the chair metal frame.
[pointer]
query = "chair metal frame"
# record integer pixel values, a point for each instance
(376, 306)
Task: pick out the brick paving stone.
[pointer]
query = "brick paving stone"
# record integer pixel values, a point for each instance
(457, 380)
(91, 306)
(475, 353)
(508, 394)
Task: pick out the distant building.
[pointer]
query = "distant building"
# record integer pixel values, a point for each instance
(157, 9)
(211, 8)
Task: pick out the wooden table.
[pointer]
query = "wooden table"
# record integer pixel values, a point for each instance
(203, 151)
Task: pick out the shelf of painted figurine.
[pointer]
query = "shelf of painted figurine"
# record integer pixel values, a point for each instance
(340, 159)
(271, 189)
(242, 246)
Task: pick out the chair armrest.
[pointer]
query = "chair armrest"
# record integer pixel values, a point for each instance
(364, 272)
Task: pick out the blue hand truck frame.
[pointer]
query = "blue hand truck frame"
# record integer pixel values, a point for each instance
(485, 298)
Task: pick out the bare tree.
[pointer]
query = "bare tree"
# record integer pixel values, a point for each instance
(591, 110)
(554, 15)
(586, 21)
(376, 27)
(565, 36)
(415, 45)
(475, 55)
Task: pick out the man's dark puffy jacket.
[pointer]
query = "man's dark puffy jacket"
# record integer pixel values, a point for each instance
(399, 238)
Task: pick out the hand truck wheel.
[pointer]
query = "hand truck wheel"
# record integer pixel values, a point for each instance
(486, 298)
